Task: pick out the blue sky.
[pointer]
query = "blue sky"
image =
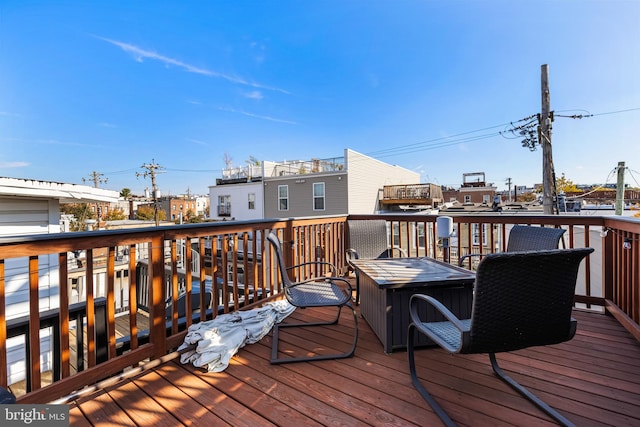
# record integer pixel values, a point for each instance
(107, 86)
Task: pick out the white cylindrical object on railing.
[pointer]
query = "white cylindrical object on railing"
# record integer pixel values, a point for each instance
(444, 225)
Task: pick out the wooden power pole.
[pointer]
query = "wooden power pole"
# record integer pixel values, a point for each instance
(544, 132)
(96, 178)
(151, 170)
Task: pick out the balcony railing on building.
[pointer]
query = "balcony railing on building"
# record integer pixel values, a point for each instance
(412, 194)
(301, 167)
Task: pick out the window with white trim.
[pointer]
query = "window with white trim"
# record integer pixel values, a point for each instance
(252, 200)
(283, 197)
(224, 205)
(475, 230)
(318, 196)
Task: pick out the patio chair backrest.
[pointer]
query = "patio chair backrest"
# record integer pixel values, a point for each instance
(282, 267)
(523, 299)
(369, 238)
(529, 238)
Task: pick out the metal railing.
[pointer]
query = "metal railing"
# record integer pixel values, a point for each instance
(240, 269)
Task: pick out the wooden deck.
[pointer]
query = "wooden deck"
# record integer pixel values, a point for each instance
(594, 380)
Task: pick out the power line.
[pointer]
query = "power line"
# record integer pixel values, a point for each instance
(441, 142)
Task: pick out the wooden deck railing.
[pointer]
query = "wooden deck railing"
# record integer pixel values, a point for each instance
(238, 266)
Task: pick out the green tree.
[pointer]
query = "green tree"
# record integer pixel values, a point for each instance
(116, 214)
(125, 193)
(80, 212)
(565, 185)
(146, 213)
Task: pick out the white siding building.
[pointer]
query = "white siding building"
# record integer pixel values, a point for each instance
(33, 207)
(239, 194)
(367, 176)
(351, 184)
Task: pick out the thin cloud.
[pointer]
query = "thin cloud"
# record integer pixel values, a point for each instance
(197, 141)
(256, 116)
(256, 94)
(140, 54)
(108, 125)
(12, 165)
(50, 142)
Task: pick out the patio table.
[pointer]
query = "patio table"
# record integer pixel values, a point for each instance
(386, 285)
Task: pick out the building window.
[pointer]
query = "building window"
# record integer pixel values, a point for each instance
(486, 198)
(283, 197)
(467, 199)
(421, 236)
(475, 230)
(395, 234)
(252, 200)
(224, 205)
(318, 196)
(173, 207)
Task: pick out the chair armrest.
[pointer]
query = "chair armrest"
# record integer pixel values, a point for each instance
(462, 258)
(415, 302)
(334, 270)
(326, 279)
(401, 251)
(452, 335)
(351, 254)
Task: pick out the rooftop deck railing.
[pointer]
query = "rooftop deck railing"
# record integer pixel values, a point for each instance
(107, 329)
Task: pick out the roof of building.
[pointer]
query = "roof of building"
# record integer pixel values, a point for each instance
(65, 193)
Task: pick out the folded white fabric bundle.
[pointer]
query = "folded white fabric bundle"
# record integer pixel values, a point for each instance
(218, 340)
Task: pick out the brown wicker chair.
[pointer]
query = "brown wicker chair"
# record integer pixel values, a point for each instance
(527, 238)
(314, 292)
(368, 240)
(522, 299)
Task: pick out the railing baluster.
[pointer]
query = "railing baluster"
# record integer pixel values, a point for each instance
(3, 328)
(34, 324)
(65, 369)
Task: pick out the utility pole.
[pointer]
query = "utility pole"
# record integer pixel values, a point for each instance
(509, 184)
(96, 178)
(620, 189)
(151, 170)
(544, 133)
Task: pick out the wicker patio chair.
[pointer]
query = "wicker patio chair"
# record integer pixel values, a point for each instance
(527, 238)
(522, 299)
(368, 240)
(314, 292)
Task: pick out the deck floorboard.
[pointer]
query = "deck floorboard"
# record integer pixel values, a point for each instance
(594, 380)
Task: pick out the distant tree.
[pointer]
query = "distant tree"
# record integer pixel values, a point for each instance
(526, 197)
(116, 214)
(145, 213)
(80, 212)
(565, 185)
(125, 193)
(252, 161)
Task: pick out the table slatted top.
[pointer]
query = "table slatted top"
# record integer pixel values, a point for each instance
(395, 272)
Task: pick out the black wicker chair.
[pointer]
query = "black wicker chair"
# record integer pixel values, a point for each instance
(368, 240)
(527, 238)
(522, 299)
(314, 292)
